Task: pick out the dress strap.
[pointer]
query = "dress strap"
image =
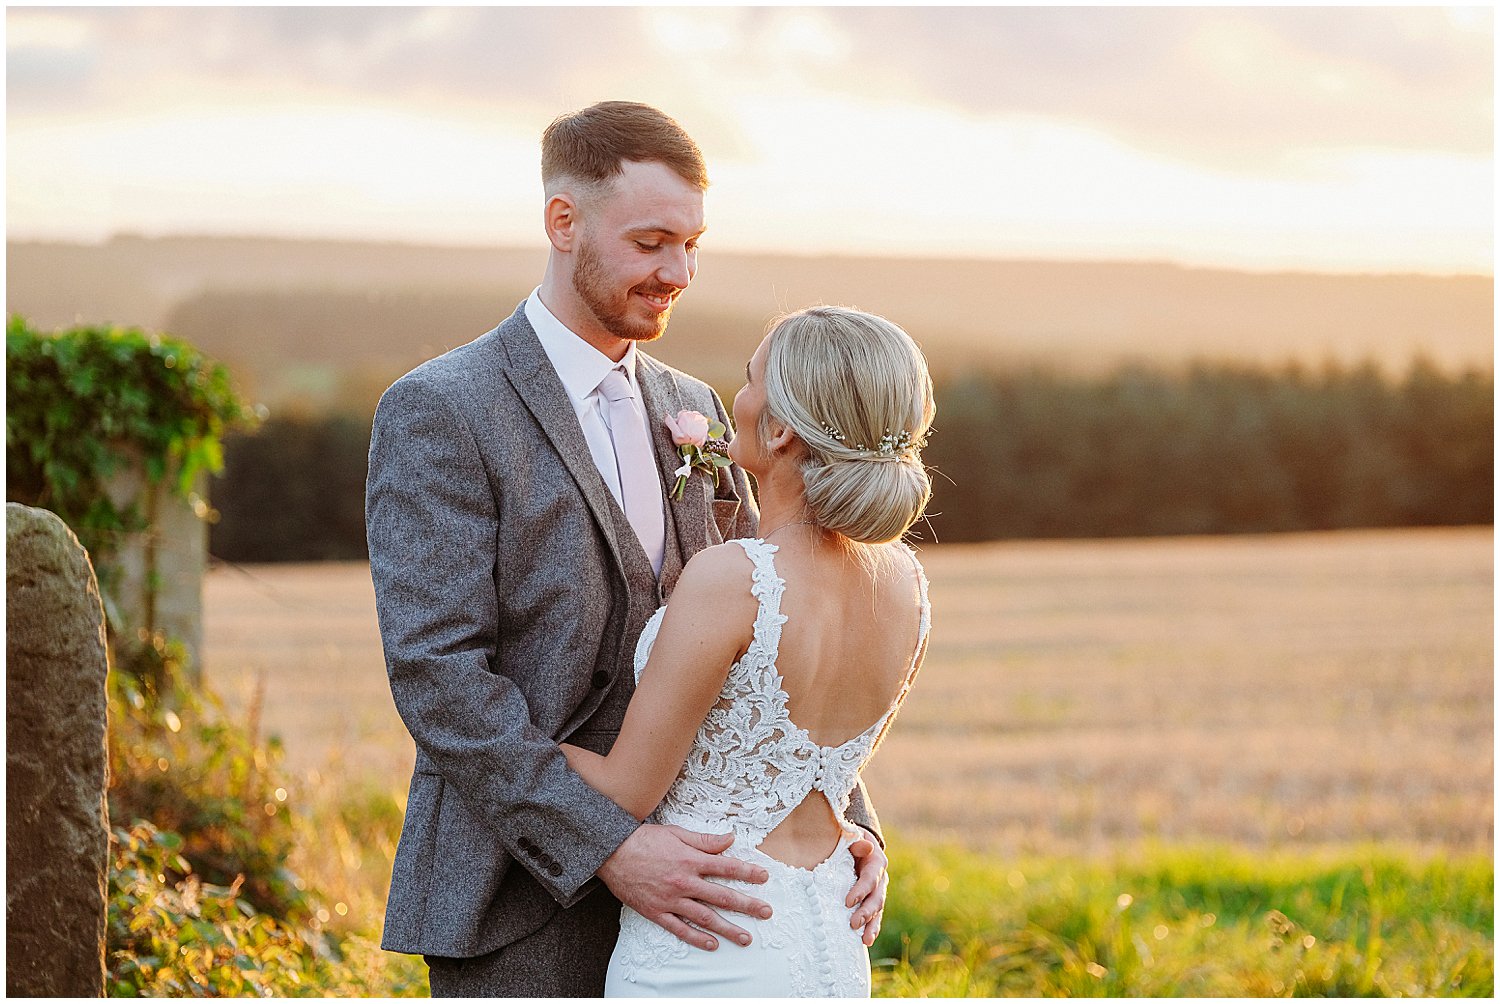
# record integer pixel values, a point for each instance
(766, 586)
(924, 623)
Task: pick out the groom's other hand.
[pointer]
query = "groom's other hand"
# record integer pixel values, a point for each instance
(868, 893)
(661, 872)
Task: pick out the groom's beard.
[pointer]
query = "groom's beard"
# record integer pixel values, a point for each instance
(614, 312)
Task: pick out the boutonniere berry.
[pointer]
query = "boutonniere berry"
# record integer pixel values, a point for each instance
(700, 441)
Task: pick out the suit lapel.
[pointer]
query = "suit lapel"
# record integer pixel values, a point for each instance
(689, 515)
(536, 382)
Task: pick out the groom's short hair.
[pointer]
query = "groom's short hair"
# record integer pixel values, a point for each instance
(589, 145)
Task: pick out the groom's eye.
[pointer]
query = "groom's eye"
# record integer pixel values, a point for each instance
(647, 246)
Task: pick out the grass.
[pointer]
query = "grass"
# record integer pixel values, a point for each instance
(1166, 920)
(1177, 921)
(1279, 748)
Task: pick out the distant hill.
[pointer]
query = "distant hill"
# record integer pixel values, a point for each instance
(332, 322)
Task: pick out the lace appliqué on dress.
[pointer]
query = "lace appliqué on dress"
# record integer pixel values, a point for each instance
(644, 946)
(750, 765)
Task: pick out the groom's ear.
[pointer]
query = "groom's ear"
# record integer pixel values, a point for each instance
(561, 221)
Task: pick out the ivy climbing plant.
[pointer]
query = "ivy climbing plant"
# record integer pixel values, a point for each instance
(83, 402)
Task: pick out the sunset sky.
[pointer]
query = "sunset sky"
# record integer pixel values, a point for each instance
(1333, 139)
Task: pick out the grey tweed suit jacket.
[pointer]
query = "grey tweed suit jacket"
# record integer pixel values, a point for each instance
(511, 591)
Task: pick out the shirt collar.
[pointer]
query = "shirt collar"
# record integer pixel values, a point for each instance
(579, 365)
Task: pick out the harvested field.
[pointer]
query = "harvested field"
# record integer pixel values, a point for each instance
(1079, 696)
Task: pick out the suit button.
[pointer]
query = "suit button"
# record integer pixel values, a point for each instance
(601, 680)
(523, 843)
(554, 869)
(533, 850)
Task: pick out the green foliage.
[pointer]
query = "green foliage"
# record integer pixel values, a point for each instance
(172, 936)
(202, 900)
(177, 761)
(186, 937)
(1188, 922)
(80, 402)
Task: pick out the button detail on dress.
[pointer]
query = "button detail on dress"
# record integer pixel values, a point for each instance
(601, 680)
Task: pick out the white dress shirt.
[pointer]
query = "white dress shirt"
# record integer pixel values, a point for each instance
(581, 367)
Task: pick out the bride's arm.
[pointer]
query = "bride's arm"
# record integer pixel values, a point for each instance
(707, 626)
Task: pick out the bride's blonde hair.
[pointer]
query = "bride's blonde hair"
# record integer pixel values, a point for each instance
(854, 388)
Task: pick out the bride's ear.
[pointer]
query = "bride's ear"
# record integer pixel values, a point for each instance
(781, 437)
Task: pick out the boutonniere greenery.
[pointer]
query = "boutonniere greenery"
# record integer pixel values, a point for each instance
(701, 443)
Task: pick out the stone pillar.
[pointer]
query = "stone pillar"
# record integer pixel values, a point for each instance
(160, 569)
(56, 817)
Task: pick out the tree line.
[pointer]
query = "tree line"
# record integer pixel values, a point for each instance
(1144, 451)
(1217, 448)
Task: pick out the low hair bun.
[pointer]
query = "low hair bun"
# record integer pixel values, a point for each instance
(855, 389)
(865, 499)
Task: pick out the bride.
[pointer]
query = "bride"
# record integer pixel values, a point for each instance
(779, 663)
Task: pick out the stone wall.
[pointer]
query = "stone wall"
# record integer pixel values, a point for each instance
(56, 816)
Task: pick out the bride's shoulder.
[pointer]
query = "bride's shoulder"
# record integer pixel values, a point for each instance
(715, 587)
(722, 567)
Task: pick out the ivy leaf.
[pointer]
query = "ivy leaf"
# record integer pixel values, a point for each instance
(82, 382)
(78, 399)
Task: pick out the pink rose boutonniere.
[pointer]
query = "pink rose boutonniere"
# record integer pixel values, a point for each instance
(701, 442)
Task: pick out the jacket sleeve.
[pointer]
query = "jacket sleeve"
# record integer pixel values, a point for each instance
(431, 522)
(862, 813)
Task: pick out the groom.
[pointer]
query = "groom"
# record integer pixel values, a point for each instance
(519, 539)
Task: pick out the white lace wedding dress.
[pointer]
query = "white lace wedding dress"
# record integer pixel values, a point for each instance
(749, 767)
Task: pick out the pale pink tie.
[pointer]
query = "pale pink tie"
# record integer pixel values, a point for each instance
(640, 486)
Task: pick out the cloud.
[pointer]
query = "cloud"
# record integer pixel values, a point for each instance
(1232, 87)
(1228, 86)
(858, 125)
(471, 58)
(50, 59)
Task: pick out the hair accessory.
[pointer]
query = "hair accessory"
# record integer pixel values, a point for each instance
(895, 443)
(893, 446)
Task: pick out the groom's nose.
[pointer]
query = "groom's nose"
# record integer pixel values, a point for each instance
(678, 268)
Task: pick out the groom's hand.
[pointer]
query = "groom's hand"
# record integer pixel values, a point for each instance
(661, 873)
(868, 894)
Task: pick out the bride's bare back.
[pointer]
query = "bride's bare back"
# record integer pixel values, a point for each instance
(846, 648)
